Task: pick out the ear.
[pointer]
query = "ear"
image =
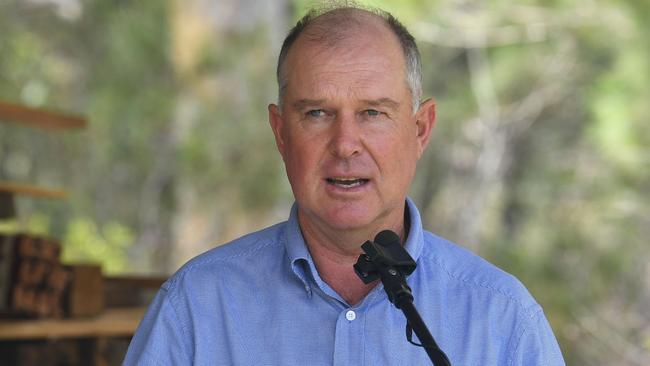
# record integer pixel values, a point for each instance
(425, 119)
(277, 124)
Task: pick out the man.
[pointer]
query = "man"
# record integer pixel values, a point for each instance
(350, 128)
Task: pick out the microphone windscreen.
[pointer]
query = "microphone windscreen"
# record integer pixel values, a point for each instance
(387, 237)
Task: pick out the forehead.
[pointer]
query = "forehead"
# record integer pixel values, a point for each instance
(365, 56)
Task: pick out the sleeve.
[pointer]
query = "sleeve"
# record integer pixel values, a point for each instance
(160, 338)
(537, 345)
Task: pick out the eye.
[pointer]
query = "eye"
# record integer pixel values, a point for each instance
(372, 112)
(315, 113)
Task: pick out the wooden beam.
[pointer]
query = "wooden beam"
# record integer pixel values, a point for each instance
(130, 281)
(111, 323)
(39, 118)
(31, 190)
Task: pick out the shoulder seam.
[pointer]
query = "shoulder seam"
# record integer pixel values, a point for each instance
(171, 299)
(483, 285)
(534, 314)
(259, 245)
(171, 285)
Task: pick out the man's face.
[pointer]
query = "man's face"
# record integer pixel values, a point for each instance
(347, 132)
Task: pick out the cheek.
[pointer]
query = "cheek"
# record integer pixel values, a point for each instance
(398, 157)
(397, 144)
(301, 162)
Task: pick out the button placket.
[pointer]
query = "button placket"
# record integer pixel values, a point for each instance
(349, 338)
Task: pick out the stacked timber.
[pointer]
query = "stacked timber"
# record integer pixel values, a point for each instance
(32, 279)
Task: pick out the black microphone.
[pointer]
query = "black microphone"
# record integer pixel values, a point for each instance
(394, 250)
(387, 237)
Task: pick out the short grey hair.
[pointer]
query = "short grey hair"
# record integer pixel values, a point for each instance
(337, 17)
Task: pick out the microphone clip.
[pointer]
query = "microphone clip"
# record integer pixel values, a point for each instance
(385, 258)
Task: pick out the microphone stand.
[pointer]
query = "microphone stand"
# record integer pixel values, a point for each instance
(387, 260)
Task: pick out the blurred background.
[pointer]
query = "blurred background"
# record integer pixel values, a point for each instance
(539, 162)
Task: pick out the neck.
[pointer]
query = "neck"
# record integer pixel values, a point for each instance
(336, 251)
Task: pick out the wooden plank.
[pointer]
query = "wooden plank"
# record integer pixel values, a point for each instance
(31, 190)
(118, 322)
(86, 290)
(130, 290)
(39, 118)
(134, 281)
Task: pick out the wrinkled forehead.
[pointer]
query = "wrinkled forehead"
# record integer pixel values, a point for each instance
(343, 42)
(339, 28)
(340, 25)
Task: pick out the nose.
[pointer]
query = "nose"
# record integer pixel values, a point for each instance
(346, 136)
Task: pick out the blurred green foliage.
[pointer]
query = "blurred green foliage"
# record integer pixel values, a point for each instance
(539, 160)
(108, 245)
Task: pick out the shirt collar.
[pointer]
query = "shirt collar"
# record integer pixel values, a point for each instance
(299, 256)
(415, 237)
(300, 259)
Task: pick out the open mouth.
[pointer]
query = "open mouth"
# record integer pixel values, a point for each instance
(347, 182)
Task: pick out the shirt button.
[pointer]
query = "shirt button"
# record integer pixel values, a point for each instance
(350, 315)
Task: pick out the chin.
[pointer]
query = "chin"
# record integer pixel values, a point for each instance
(350, 218)
(344, 215)
(348, 223)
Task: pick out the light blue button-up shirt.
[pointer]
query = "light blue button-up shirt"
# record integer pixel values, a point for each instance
(259, 300)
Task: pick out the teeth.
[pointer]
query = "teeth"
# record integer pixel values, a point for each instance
(347, 182)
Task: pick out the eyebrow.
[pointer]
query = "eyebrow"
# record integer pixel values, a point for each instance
(387, 102)
(302, 103)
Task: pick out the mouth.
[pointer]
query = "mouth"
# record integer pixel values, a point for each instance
(347, 182)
